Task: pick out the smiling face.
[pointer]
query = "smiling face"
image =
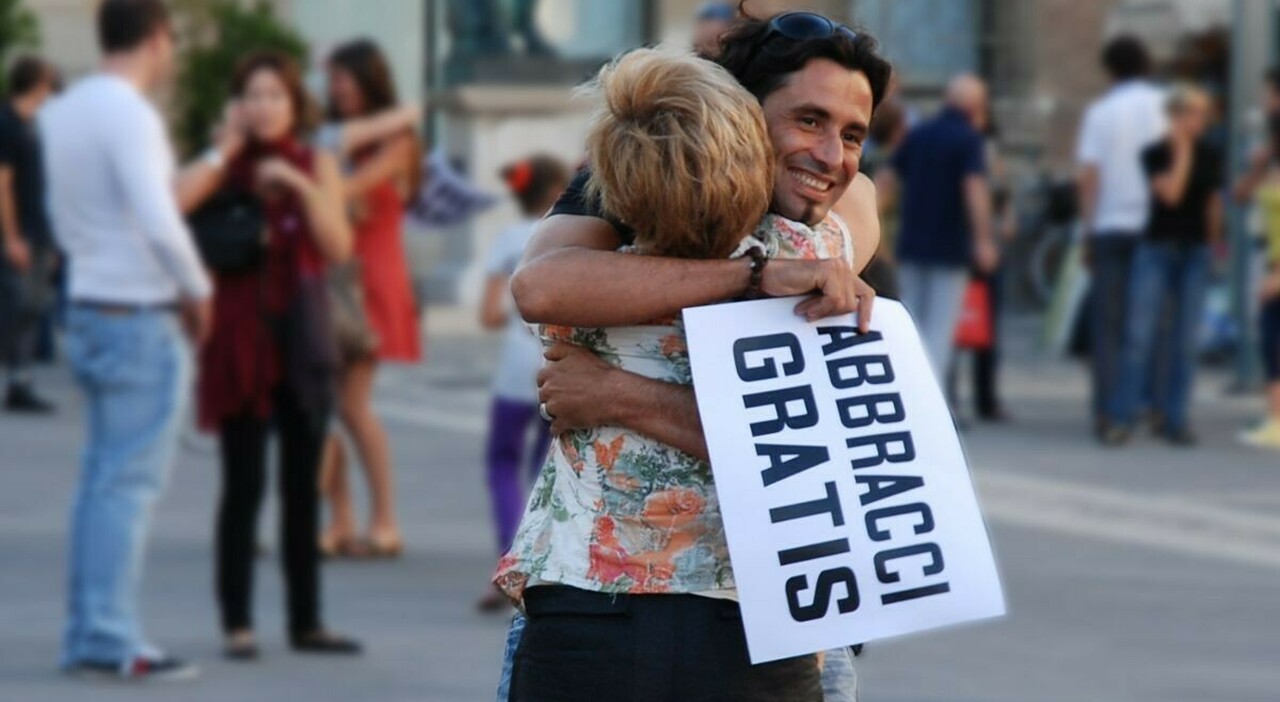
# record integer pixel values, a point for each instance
(817, 122)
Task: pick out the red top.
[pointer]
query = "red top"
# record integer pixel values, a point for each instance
(388, 287)
(243, 363)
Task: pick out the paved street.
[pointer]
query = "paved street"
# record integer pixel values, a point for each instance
(1139, 574)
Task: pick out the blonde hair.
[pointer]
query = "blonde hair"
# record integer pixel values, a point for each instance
(679, 151)
(1182, 95)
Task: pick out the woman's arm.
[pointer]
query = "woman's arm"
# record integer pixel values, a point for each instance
(321, 198)
(363, 131)
(200, 178)
(393, 160)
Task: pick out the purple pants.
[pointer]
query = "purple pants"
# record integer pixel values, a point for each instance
(509, 422)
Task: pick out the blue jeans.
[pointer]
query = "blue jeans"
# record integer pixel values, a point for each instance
(1111, 268)
(839, 675)
(135, 371)
(1177, 274)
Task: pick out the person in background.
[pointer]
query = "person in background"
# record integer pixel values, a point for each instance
(264, 368)
(383, 176)
(888, 129)
(1115, 205)
(27, 266)
(946, 215)
(710, 23)
(986, 361)
(536, 183)
(1263, 181)
(1172, 261)
(136, 284)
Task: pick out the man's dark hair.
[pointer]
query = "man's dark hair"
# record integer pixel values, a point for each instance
(28, 73)
(763, 64)
(124, 25)
(1125, 57)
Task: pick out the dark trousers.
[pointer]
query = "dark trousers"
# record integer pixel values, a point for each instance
(301, 436)
(581, 646)
(25, 297)
(1111, 257)
(986, 362)
(1269, 338)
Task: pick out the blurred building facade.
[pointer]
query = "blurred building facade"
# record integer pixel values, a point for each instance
(497, 76)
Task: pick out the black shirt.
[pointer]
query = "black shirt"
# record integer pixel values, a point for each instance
(574, 201)
(1186, 222)
(20, 151)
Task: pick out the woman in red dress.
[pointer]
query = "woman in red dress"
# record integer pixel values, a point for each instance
(378, 184)
(268, 366)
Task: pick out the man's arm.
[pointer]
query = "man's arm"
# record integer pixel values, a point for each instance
(139, 158)
(15, 247)
(977, 194)
(1087, 186)
(860, 210)
(582, 391)
(571, 274)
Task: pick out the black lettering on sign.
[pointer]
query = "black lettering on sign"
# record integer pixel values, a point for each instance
(822, 591)
(880, 487)
(768, 369)
(915, 593)
(811, 552)
(872, 370)
(799, 459)
(882, 559)
(882, 443)
(779, 399)
(869, 407)
(874, 516)
(841, 338)
(825, 505)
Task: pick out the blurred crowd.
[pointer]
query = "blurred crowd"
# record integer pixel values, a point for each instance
(1152, 194)
(278, 252)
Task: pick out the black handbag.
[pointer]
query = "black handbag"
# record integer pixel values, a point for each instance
(230, 231)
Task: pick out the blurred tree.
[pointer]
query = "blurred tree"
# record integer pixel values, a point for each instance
(19, 29)
(216, 35)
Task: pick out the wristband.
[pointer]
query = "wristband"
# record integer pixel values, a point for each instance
(214, 158)
(758, 262)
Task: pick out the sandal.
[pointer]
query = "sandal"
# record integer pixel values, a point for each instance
(240, 646)
(389, 548)
(348, 547)
(325, 642)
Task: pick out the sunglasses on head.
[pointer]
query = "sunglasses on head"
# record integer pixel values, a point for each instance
(801, 26)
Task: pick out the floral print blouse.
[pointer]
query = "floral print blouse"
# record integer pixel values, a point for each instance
(614, 511)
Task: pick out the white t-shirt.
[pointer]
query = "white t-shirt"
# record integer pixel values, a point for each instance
(110, 169)
(1115, 129)
(517, 374)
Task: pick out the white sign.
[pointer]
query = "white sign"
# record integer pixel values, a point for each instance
(846, 498)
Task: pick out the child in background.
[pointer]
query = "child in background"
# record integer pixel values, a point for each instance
(535, 182)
